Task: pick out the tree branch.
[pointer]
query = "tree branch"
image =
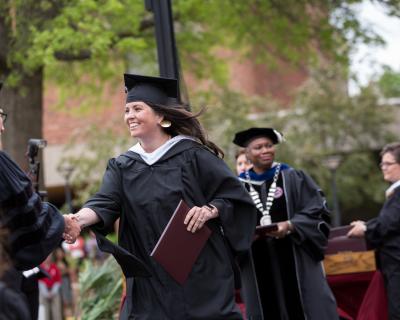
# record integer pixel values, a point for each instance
(84, 54)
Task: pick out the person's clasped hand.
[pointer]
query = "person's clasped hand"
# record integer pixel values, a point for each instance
(358, 230)
(72, 229)
(284, 228)
(197, 217)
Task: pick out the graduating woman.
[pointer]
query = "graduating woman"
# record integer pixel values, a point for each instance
(283, 278)
(173, 160)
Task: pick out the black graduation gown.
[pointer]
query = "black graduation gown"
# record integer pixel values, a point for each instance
(12, 304)
(298, 256)
(383, 234)
(34, 230)
(144, 197)
(35, 227)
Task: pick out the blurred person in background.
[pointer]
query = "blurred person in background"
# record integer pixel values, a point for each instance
(50, 291)
(66, 285)
(383, 232)
(242, 163)
(77, 252)
(92, 249)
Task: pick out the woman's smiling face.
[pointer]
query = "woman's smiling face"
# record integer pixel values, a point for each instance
(141, 119)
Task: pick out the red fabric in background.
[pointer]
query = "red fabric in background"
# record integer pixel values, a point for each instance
(55, 275)
(374, 305)
(360, 295)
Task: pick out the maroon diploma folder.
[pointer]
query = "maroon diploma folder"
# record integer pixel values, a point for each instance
(177, 249)
(262, 231)
(339, 242)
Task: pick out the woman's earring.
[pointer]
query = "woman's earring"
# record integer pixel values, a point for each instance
(165, 123)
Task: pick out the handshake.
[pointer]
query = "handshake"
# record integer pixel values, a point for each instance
(74, 223)
(72, 228)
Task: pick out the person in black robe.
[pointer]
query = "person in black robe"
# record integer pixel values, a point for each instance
(282, 276)
(172, 161)
(383, 232)
(34, 228)
(12, 304)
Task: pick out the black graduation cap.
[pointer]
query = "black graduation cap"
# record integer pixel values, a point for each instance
(131, 266)
(243, 138)
(155, 90)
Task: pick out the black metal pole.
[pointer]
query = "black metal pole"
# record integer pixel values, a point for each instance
(165, 37)
(336, 210)
(68, 197)
(66, 171)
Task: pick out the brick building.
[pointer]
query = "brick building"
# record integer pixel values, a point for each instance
(59, 125)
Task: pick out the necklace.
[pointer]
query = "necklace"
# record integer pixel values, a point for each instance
(266, 217)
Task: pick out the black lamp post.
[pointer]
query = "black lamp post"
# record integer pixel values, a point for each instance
(66, 172)
(332, 162)
(168, 59)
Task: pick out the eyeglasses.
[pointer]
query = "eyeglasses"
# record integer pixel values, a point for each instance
(3, 116)
(386, 164)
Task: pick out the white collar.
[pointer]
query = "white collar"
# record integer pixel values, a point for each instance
(389, 191)
(152, 157)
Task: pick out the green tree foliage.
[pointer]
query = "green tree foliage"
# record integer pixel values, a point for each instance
(389, 83)
(90, 162)
(42, 33)
(75, 44)
(328, 122)
(84, 45)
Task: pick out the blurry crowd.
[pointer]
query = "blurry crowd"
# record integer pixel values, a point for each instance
(58, 290)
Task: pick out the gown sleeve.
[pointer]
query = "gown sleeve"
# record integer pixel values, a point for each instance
(310, 215)
(221, 188)
(386, 224)
(107, 202)
(35, 228)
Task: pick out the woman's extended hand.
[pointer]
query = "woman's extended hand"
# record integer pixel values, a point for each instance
(74, 223)
(197, 216)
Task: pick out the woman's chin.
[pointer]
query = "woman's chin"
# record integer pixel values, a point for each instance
(133, 134)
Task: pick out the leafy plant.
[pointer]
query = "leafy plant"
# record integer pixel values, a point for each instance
(101, 289)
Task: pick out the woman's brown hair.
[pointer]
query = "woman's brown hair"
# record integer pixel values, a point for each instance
(186, 123)
(239, 152)
(392, 148)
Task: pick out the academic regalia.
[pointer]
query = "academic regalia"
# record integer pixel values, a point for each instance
(283, 278)
(383, 234)
(144, 197)
(13, 305)
(35, 227)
